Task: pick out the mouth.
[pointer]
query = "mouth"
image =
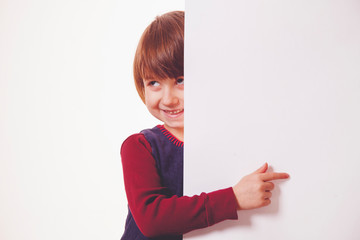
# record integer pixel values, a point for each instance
(174, 113)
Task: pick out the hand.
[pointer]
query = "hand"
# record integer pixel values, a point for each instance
(254, 190)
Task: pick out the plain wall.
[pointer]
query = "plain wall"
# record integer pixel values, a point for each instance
(67, 101)
(278, 82)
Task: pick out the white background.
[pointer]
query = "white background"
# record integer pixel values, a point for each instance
(276, 81)
(67, 101)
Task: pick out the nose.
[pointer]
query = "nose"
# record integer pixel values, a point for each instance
(170, 98)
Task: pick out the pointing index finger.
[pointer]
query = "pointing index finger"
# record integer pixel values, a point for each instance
(269, 176)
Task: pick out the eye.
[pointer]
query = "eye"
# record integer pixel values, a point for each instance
(154, 83)
(180, 81)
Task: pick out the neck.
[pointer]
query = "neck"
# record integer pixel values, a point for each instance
(177, 132)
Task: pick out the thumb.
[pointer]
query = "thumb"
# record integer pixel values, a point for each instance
(262, 169)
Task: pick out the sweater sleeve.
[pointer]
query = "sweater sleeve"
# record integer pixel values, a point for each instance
(155, 210)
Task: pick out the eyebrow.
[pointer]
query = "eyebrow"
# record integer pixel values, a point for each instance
(153, 79)
(149, 80)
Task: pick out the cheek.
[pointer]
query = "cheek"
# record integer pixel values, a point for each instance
(147, 104)
(181, 96)
(150, 101)
(146, 97)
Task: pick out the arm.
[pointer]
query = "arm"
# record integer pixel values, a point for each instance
(157, 212)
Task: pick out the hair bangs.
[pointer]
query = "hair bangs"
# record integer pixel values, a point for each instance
(162, 51)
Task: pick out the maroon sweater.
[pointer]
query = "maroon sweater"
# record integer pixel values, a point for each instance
(157, 209)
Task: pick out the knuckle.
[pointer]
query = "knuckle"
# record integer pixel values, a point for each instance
(270, 186)
(274, 176)
(258, 187)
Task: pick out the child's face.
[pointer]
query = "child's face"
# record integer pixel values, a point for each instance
(165, 101)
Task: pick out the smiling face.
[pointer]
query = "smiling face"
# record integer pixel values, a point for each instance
(165, 100)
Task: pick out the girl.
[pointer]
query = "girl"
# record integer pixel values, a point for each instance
(153, 159)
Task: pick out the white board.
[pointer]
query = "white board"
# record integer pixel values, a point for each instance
(276, 81)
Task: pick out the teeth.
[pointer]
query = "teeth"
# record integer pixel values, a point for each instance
(175, 112)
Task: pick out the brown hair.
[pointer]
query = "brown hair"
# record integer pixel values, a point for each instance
(160, 52)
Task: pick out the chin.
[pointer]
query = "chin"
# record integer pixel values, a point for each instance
(174, 125)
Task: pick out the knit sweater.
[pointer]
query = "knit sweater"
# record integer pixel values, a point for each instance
(153, 177)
